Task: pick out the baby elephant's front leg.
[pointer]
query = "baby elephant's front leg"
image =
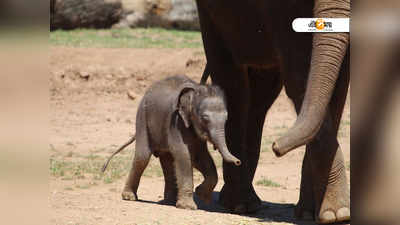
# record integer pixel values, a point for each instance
(184, 179)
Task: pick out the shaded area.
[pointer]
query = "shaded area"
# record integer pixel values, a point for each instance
(270, 211)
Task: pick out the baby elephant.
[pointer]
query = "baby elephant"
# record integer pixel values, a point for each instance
(174, 121)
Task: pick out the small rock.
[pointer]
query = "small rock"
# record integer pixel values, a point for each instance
(84, 75)
(193, 62)
(189, 62)
(139, 78)
(132, 95)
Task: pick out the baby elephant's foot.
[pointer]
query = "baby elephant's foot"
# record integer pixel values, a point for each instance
(204, 195)
(129, 195)
(186, 204)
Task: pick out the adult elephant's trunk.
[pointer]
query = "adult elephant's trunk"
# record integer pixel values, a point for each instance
(218, 139)
(328, 52)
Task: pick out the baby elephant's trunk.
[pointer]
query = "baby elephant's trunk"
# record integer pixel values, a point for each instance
(218, 139)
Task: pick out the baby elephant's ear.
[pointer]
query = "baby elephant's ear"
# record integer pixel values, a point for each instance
(184, 103)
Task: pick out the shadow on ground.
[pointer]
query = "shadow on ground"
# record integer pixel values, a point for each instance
(269, 212)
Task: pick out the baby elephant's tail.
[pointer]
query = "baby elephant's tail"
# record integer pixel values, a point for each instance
(133, 138)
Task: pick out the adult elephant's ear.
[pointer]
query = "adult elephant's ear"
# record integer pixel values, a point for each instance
(183, 102)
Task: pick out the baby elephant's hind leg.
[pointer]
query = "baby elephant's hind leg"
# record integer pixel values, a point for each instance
(140, 162)
(205, 164)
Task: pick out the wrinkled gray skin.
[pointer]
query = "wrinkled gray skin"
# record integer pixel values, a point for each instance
(175, 119)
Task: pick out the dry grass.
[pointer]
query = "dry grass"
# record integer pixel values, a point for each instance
(267, 183)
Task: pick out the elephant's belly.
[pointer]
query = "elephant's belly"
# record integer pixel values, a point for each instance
(250, 38)
(253, 49)
(158, 142)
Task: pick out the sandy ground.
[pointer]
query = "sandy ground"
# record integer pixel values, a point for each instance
(91, 115)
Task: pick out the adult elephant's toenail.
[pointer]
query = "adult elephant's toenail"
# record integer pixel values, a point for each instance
(343, 214)
(327, 217)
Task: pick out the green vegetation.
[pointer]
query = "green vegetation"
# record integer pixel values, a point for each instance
(68, 189)
(345, 123)
(266, 144)
(268, 183)
(127, 38)
(344, 128)
(153, 169)
(281, 129)
(87, 168)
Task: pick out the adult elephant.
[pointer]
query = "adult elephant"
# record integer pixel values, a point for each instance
(252, 52)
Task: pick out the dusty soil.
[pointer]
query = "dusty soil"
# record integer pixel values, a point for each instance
(92, 114)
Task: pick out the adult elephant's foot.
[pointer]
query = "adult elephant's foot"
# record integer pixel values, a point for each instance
(240, 203)
(305, 208)
(330, 216)
(330, 212)
(303, 213)
(335, 205)
(333, 212)
(186, 204)
(204, 194)
(168, 201)
(325, 202)
(170, 196)
(128, 195)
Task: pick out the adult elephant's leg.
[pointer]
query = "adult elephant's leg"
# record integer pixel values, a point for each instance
(324, 190)
(233, 79)
(236, 194)
(305, 206)
(237, 191)
(331, 191)
(328, 174)
(265, 86)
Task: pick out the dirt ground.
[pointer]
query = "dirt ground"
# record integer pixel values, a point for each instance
(94, 96)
